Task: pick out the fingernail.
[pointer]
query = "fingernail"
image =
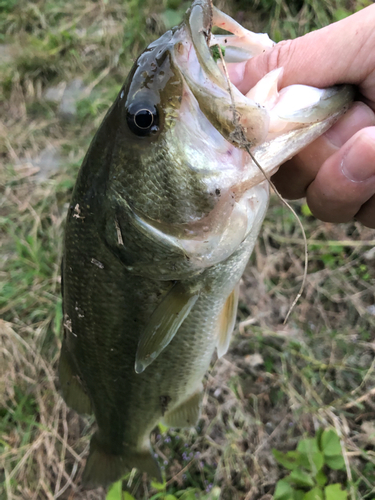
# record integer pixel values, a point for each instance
(359, 116)
(358, 164)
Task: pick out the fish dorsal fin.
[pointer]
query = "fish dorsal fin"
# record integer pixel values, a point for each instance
(163, 324)
(227, 320)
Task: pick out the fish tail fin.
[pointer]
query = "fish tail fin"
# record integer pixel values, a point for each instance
(103, 468)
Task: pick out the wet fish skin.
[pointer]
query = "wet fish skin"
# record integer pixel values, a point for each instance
(160, 225)
(111, 289)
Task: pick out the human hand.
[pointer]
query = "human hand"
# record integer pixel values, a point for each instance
(336, 173)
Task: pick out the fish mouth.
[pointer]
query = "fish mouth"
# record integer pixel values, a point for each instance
(264, 113)
(221, 102)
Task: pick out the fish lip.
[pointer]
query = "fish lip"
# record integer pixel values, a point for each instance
(203, 11)
(199, 20)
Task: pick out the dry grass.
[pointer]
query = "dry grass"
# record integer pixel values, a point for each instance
(278, 382)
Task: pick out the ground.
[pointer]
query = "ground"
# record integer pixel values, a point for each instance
(61, 66)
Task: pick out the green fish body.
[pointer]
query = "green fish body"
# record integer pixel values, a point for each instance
(164, 216)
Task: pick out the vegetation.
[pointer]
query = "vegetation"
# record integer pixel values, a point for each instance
(304, 390)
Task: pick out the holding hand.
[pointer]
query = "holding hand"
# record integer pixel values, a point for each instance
(336, 173)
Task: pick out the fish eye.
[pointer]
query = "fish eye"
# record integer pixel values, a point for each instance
(143, 120)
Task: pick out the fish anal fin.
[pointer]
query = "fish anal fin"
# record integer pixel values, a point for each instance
(187, 413)
(71, 387)
(103, 468)
(163, 325)
(227, 320)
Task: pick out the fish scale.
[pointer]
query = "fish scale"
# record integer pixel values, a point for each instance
(120, 394)
(102, 364)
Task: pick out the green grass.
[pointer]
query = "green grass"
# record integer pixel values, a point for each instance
(278, 385)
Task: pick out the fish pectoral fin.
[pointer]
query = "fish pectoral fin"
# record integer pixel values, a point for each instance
(71, 387)
(163, 325)
(227, 320)
(187, 413)
(103, 467)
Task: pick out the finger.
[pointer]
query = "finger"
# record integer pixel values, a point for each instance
(295, 175)
(366, 214)
(346, 181)
(304, 167)
(306, 61)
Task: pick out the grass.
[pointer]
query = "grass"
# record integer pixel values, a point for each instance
(278, 384)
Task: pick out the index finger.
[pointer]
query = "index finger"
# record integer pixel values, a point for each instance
(306, 60)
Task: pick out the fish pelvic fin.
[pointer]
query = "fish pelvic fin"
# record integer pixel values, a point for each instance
(163, 325)
(187, 413)
(103, 467)
(227, 320)
(71, 387)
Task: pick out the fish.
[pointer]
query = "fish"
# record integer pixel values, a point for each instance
(164, 215)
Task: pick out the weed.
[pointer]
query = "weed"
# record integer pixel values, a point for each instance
(309, 466)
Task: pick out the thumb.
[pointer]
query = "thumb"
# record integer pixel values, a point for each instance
(338, 53)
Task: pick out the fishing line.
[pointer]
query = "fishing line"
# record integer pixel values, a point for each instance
(241, 138)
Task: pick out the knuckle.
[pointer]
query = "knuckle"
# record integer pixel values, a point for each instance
(280, 55)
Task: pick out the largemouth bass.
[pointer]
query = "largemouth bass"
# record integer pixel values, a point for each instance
(164, 216)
